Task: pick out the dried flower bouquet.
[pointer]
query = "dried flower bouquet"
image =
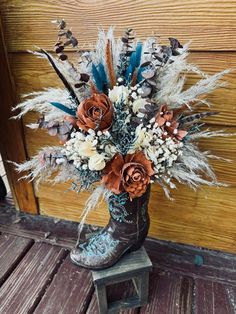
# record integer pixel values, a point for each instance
(123, 119)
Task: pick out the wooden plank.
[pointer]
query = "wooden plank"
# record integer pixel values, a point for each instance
(210, 24)
(169, 293)
(33, 74)
(12, 146)
(24, 288)
(204, 218)
(70, 291)
(181, 259)
(114, 293)
(12, 249)
(212, 298)
(37, 227)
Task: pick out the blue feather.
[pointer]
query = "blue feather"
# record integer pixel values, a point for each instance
(138, 54)
(102, 73)
(134, 61)
(97, 78)
(63, 108)
(129, 73)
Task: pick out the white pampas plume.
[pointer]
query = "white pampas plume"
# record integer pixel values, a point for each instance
(92, 202)
(207, 133)
(202, 87)
(40, 102)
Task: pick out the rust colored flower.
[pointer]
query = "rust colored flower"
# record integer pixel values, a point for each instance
(172, 130)
(164, 115)
(95, 113)
(130, 173)
(165, 119)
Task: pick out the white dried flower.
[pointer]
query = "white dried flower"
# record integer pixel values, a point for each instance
(119, 93)
(96, 162)
(138, 104)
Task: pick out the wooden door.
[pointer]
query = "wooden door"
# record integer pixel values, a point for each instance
(205, 218)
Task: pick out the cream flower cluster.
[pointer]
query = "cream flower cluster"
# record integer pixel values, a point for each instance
(161, 151)
(131, 96)
(83, 150)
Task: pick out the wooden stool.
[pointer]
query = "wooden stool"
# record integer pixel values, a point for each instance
(136, 266)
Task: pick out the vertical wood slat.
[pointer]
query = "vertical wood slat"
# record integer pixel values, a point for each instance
(12, 249)
(69, 293)
(169, 293)
(11, 144)
(22, 291)
(213, 298)
(115, 292)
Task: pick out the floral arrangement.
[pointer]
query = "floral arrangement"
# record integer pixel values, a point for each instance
(123, 117)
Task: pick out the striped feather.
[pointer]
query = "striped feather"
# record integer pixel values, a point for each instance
(197, 116)
(61, 76)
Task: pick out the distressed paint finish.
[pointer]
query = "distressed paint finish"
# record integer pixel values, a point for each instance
(42, 281)
(23, 289)
(12, 249)
(169, 294)
(69, 292)
(213, 297)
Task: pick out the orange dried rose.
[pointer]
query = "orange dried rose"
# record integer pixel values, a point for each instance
(130, 173)
(95, 113)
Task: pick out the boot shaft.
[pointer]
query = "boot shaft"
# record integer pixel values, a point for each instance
(126, 213)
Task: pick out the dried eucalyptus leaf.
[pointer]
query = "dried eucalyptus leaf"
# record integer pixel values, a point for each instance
(148, 74)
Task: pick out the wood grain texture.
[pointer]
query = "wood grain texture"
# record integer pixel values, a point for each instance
(34, 74)
(169, 293)
(213, 298)
(69, 293)
(204, 218)
(210, 24)
(12, 141)
(114, 293)
(20, 293)
(12, 249)
(181, 259)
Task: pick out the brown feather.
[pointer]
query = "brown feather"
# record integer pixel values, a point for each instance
(134, 77)
(109, 63)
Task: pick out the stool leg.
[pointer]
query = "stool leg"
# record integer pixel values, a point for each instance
(102, 299)
(141, 284)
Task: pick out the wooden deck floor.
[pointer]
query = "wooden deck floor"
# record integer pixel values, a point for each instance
(36, 275)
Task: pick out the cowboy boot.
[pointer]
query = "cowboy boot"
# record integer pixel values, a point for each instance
(126, 231)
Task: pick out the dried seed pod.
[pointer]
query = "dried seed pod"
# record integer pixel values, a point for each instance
(125, 40)
(68, 33)
(74, 41)
(84, 77)
(59, 49)
(145, 64)
(174, 43)
(78, 85)
(63, 57)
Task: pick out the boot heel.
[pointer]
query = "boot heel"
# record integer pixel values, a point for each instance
(135, 246)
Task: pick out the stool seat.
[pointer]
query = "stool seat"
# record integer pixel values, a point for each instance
(136, 266)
